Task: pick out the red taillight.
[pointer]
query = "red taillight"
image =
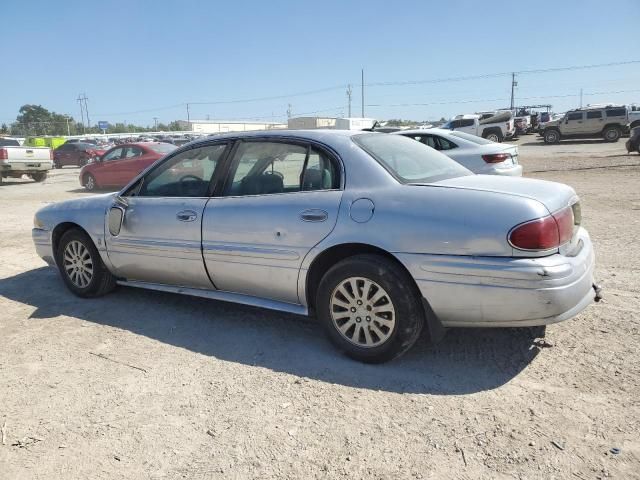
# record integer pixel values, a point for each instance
(496, 157)
(544, 233)
(50, 154)
(4, 155)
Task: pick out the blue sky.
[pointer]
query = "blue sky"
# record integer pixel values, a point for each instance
(142, 59)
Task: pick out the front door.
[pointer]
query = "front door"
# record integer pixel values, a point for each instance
(160, 238)
(107, 173)
(573, 124)
(280, 200)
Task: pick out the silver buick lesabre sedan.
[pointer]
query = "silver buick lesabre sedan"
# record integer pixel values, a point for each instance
(376, 234)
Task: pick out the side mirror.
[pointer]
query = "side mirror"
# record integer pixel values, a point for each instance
(116, 217)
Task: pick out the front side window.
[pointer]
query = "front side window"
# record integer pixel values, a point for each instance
(131, 152)
(409, 161)
(187, 174)
(263, 168)
(114, 154)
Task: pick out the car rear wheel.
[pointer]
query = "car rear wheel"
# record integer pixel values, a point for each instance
(611, 134)
(39, 176)
(81, 267)
(551, 136)
(370, 308)
(90, 182)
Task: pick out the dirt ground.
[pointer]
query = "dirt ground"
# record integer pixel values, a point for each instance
(142, 384)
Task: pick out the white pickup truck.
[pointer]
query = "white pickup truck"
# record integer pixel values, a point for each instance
(16, 161)
(492, 127)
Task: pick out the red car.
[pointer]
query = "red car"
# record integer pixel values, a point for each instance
(76, 154)
(121, 164)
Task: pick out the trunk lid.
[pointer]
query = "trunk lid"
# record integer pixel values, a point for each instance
(552, 195)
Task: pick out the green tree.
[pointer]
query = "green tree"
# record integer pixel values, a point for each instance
(3, 129)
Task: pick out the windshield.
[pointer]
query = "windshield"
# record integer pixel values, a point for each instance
(407, 160)
(162, 147)
(471, 138)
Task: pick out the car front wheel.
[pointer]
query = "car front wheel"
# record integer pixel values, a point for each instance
(370, 308)
(81, 266)
(90, 182)
(551, 136)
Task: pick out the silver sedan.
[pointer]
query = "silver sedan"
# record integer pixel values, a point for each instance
(376, 234)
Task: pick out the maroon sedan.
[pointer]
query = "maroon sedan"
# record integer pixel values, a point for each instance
(76, 154)
(121, 164)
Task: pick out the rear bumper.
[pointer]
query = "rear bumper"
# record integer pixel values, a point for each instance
(505, 292)
(506, 170)
(18, 168)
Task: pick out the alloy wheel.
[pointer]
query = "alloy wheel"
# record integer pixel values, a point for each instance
(362, 312)
(78, 264)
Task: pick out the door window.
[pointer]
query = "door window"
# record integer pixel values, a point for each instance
(114, 154)
(262, 168)
(444, 144)
(187, 174)
(595, 114)
(574, 116)
(131, 152)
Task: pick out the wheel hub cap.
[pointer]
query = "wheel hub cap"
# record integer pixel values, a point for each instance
(78, 264)
(362, 312)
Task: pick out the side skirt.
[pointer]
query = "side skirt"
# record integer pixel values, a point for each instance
(224, 296)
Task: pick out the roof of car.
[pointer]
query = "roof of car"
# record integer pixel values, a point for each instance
(320, 135)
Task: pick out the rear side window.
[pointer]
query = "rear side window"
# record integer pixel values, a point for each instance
(616, 112)
(574, 116)
(595, 114)
(407, 160)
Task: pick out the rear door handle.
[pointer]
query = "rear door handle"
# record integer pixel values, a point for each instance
(314, 215)
(186, 216)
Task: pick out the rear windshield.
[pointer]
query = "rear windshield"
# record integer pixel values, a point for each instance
(162, 147)
(9, 142)
(407, 160)
(471, 138)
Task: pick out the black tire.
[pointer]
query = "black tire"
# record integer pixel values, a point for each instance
(39, 176)
(90, 182)
(551, 136)
(56, 165)
(494, 136)
(101, 280)
(612, 134)
(402, 293)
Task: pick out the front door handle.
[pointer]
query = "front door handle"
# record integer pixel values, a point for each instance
(186, 216)
(314, 215)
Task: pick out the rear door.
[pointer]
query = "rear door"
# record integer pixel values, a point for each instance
(160, 239)
(63, 154)
(594, 121)
(280, 199)
(467, 125)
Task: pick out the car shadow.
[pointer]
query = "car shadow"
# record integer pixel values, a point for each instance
(540, 142)
(465, 361)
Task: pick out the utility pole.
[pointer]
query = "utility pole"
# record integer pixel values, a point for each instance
(514, 84)
(363, 93)
(580, 98)
(188, 116)
(86, 108)
(349, 92)
(289, 111)
(66, 117)
(155, 123)
(79, 99)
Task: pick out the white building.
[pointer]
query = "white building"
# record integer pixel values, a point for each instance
(223, 126)
(307, 123)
